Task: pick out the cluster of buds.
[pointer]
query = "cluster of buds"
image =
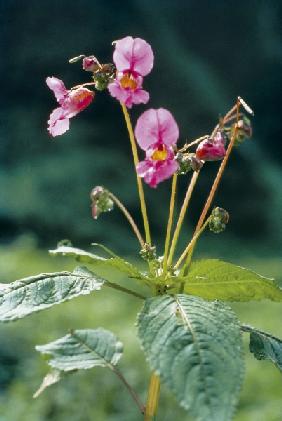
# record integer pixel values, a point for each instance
(148, 252)
(243, 130)
(103, 74)
(218, 220)
(188, 162)
(100, 201)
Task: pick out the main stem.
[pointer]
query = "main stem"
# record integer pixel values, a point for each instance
(139, 181)
(153, 398)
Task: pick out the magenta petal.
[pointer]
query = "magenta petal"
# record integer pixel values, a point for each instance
(156, 127)
(133, 54)
(140, 96)
(58, 122)
(166, 170)
(209, 150)
(155, 172)
(58, 87)
(117, 91)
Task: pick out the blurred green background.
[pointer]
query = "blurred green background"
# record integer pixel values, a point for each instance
(206, 53)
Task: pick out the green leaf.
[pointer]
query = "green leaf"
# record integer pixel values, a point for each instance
(115, 262)
(21, 298)
(265, 346)
(83, 349)
(213, 279)
(195, 347)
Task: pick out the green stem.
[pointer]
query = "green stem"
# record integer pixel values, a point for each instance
(181, 216)
(128, 217)
(139, 181)
(130, 390)
(123, 289)
(170, 220)
(153, 398)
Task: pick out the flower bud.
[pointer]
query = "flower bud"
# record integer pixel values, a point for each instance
(148, 252)
(212, 149)
(218, 220)
(244, 130)
(101, 201)
(188, 162)
(103, 76)
(90, 64)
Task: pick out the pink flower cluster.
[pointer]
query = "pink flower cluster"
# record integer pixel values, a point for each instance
(134, 59)
(157, 133)
(71, 103)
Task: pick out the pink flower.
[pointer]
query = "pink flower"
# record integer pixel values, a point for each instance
(134, 59)
(71, 103)
(212, 149)
(157, 132)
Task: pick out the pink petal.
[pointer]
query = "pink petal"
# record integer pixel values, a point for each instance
(58, 122)
(155, 172)
(133, 54)
(58, 87)
(156, 127)
(128, 96)
(117, 91)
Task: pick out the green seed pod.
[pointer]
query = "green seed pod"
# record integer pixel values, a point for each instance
(218, 220)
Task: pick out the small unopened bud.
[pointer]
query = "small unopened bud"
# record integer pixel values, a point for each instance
(244, 130)
(90, 64)
(103, 76)
(212, 149)
(188, 162)
(101, 201)
(218, 220)
(148, 252)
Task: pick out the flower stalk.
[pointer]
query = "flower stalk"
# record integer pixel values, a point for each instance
(182, 215)
(128, 216)
(139, 181)
(170, 220)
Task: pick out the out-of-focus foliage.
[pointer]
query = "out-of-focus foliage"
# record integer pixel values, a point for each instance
(98, 394)
(204, 57)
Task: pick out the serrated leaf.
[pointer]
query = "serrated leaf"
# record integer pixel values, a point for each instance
(51, 378)
(195, 346)
(83, 349)
(214, 279)
(25, 296)
(86, 257)
(265, 346)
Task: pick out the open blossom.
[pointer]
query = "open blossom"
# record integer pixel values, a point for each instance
(71, 103)
(212, 149)
(157, 133)
(133, 58)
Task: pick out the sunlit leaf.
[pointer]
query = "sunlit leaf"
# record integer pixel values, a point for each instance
(214, 279)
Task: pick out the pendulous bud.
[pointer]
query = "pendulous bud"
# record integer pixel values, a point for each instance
(104, 75)
(101, 201)
(218, 220)
(188, 162)
(212, 149)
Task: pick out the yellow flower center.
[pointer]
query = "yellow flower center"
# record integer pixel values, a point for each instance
(159, 154)
(127, 81)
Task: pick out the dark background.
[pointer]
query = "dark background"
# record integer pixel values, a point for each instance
(206, 53)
